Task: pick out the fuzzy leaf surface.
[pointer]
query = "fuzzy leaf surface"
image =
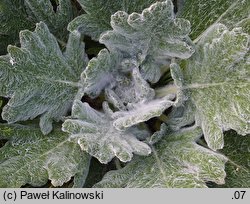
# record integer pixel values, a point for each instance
(136, 102)
(100, 73)
(150, 38)
(203, 14)
(29, 157)
(238, 166)
(146, 40)
(216, 80)
(98, 12)
(95, 133)
(39, 79)
(176, 162)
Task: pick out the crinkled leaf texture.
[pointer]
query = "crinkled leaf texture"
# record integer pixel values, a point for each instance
(203, 14)
(95, 133)
(39, 78)
(238, 166)
(146, 40)
(136, 101)
(216, 82)
(150, 38)
(98, 12)
(101, 72)
(176, 162)
(29, 157)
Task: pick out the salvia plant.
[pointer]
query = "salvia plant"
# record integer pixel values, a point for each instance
(121, 93)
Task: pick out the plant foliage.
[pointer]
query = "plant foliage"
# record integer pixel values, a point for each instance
(34, 83)
(163, 103)
(29, 157)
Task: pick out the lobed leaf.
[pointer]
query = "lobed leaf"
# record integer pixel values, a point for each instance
(216, 82)
(176, 162)
(95, 133)
(150, 38)
(98, 12)
(29, 157)
(146, 40)
(39, 79)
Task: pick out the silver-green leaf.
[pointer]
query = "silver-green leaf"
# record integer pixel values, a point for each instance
(95, 133)
(29, 157)
(100, 73)
(98, 12)
(150, 38)
(39, 79)
(176, 162)
(136, 101)
(146, 40)
(216, 82)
